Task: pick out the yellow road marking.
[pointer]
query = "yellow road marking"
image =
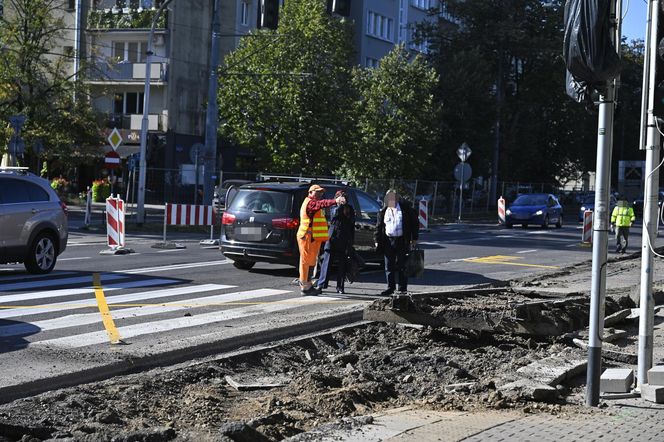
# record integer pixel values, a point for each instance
(506, 260)
(106, 317)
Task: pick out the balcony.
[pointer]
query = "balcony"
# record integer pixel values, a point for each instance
(127, 72)
(132, 122)
(125, 18)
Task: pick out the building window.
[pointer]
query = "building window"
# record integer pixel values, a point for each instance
(372, 63)
(419, 45)
(129, 51)
(244, 14)
(71, 5)
(379, 26)
(421, 4)
(128, 103)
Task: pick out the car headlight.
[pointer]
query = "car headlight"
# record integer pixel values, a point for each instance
(538, 213)
(508, 212)
(583, 208)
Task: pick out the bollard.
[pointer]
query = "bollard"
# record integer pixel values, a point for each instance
(501, 210)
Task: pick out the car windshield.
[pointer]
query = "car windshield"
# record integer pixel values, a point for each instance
(262, 201)
(531, 200)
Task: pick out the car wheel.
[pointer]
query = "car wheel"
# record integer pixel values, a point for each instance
(243, 265)
(559, 224)
(545, 224)
(524, 225)
(41, 255)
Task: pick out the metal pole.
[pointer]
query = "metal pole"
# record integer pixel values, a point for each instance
(646, 301)
(435, 194)
(600, 233)
(212, 115)
(144, 122)
(165, 209)
(196, 183)
(646, 72)
(461, 191)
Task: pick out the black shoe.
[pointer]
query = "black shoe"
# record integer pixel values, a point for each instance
(387, 292)
(403, 292)
(617, 249)
(340, 290)
(311, 291)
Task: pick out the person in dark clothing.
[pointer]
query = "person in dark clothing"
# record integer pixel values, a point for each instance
(338, 247)
(397, 231)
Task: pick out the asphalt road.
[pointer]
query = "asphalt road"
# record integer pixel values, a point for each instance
(168, 306)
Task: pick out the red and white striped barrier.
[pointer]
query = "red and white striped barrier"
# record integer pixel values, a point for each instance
(587, 236)
(424, 215)
(186, 215)
(115, 222)
(501, 210)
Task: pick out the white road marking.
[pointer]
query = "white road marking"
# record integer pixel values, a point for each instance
(134, 312)
(61, 281)
(13, 277)
(175, 267)
(505, 236)
(73, 259)
(118, 299)
(572, 245)
(166, 325)
(462, 259)
(527, 251)
(171, 250)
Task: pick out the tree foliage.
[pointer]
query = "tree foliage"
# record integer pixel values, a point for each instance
(35, 82)
(284, 94)
(501, 60)
(397, 118)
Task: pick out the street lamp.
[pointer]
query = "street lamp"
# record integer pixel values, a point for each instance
(142, 169)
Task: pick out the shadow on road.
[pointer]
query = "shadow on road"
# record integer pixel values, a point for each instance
(12, 334)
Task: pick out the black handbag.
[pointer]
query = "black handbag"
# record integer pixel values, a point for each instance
(415, 263)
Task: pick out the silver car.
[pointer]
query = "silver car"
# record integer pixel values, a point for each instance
(33, 221)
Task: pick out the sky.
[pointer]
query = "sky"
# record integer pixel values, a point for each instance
(636, 15)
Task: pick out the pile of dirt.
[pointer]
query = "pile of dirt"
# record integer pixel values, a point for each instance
(352, 372)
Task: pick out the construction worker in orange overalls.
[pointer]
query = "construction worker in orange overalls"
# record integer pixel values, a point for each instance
(313, 232)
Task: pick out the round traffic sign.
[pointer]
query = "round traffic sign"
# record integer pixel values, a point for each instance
(463, 172)
(112, 160)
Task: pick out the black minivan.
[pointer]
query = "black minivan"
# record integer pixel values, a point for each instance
(262, 219)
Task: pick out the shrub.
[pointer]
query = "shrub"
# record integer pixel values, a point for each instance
(101, 189)
(60, 185)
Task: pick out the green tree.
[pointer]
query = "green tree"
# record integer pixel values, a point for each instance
(397, 118)
(36, 81)
(501, 61)
(286, 94)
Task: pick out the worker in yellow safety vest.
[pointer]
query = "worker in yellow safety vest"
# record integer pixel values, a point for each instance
(622, 217)
(312, 233)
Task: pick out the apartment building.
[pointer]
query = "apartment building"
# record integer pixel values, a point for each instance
(381, 24)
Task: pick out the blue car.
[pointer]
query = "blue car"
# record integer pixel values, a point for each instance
(589, 204)
(542, 209)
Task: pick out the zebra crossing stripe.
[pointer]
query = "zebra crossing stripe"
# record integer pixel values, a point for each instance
(131, 331)
(106, 317)
(13, 312)
(24, 276)
(27, 296)
(31, 285)
(175, 267)
(126, 313)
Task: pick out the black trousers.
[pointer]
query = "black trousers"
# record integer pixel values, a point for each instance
(330, 256)
(395, 263)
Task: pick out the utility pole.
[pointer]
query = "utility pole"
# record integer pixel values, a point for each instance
(601, 221)
(143, 164)
(212, 115)
(646, 303)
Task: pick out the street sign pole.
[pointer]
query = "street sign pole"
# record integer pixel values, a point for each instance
(651, 190)
(601, 225)
(463, 152)
(463, 163)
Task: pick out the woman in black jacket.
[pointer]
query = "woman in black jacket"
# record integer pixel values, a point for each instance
(397, 231)
(338, 247)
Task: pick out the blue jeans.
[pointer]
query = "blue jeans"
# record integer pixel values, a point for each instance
(341, 260)
(395, 263)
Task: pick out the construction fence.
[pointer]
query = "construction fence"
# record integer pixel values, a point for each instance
(184, 187)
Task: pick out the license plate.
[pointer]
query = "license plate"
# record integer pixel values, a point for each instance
(251, 231)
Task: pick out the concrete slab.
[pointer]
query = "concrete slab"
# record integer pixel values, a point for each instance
(616, 380)
(656, 375)
(653, 393)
